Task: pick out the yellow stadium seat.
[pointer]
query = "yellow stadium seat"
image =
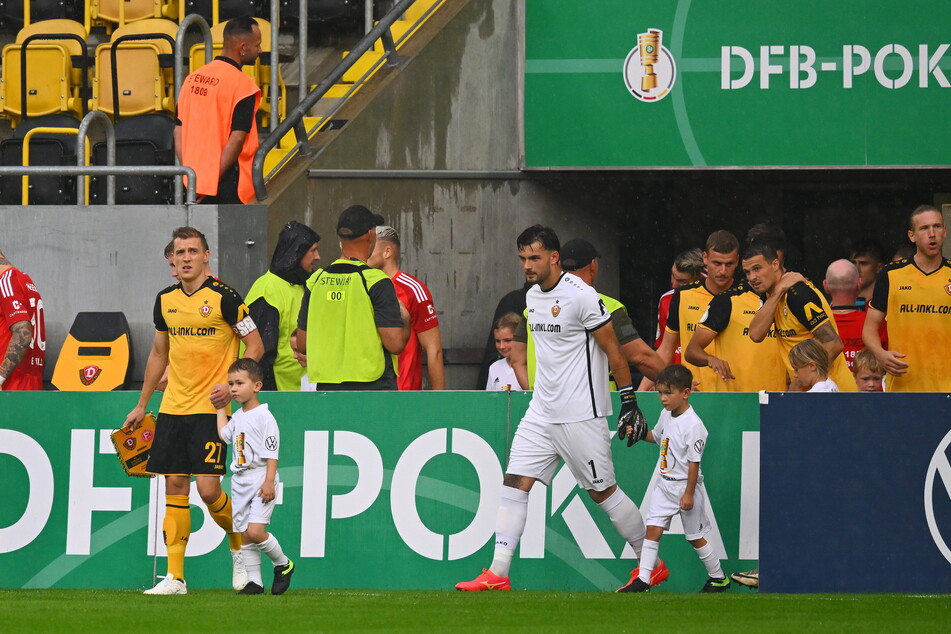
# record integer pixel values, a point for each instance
(97, 354)
(145, 73)
(53, 84)
(109, 10)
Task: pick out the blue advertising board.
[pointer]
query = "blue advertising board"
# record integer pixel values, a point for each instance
(855, 493)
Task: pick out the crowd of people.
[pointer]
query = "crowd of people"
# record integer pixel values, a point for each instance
(737, 318)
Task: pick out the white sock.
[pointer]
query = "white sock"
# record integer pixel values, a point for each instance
(252, 563)
(626, 518)
(711, 561)
(272, 549)
(648, 560)
(509, 525)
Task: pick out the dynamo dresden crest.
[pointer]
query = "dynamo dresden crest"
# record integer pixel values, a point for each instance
(650, 70)
(555, 310)
(947, 289)
(205, 310)
(89, 374)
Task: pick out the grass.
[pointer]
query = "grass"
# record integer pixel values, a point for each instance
(100, 611)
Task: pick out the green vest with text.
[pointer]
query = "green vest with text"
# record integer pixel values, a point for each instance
(343, 344)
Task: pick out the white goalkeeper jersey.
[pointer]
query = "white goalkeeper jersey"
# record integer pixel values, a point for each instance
(571, 375)
(255, 437)
(681, 439)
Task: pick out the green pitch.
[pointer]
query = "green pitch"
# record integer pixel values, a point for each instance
(739, 610)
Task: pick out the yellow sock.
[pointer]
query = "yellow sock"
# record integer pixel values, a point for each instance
(177, 526)
(220, 511)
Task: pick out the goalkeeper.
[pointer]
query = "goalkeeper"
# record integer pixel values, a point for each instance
(679, 491)
(566, 419)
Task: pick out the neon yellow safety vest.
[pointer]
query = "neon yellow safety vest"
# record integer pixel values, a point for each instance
(343, 344)
(609, 302)
(286, 299)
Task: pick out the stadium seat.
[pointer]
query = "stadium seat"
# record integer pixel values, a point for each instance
(45, 149)
(144, 66)
(12, 12)
(56, 75)
(260, 72)
(140, 140)
(97, 354)
(227, 9)
(108, 11)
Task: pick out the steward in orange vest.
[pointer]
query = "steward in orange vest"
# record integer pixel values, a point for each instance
(216, 132)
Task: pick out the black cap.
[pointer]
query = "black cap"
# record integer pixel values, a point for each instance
(577, 254)
(356, 221)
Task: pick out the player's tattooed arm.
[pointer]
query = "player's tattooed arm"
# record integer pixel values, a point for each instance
(21, 334)
(829, 339)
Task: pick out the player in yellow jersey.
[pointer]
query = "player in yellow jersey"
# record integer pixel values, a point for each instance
(796, 309)
(720, 257)
(198, 323)
(913, 298)
(723, 343)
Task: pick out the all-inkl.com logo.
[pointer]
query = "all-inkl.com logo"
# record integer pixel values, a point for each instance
(650, 70)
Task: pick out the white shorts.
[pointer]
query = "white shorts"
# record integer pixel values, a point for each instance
(538, 448)
(665, 503)
(246, 505)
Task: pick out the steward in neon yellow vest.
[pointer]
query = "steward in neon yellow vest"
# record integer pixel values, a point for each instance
(274, 302)
(343, 344)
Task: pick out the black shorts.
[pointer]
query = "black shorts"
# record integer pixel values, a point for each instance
(187, 445)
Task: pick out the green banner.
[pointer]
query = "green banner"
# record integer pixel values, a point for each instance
(697, 83)
(406, 483)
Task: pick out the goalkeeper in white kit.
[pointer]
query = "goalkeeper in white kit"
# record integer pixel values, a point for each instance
(575, 345)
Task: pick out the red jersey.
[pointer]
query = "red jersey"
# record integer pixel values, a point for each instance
(20, 301)
(663, 308)
(418, 301)
(850, 331)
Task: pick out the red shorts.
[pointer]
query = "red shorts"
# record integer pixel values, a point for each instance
(19, 381)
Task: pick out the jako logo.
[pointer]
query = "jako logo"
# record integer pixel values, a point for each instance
(940, 466)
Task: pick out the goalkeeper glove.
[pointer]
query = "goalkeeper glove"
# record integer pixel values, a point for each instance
(630, 423)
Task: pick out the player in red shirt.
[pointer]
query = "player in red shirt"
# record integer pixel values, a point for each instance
(424, 324)
(23, 331)
(842, 284)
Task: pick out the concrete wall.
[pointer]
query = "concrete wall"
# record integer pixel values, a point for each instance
(453, 107)
(110, 259)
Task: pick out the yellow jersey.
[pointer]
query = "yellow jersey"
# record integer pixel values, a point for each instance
(917, 309)
(203, 333)
(799, 313)
(687, 307)
(756, 366)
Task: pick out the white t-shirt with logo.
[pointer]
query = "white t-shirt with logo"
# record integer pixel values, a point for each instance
(571, 370)
(255, 437)
(502, 376)
(681, 439)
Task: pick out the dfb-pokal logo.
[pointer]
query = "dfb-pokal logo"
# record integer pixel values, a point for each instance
(941, 467)
(649, 70)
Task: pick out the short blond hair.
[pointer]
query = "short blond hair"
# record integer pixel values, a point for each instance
(865, 359)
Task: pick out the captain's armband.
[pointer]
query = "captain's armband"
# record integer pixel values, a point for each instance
(244, 327)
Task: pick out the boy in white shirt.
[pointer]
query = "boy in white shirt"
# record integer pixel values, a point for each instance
(501, 374)
(679, 490)
(256, 438)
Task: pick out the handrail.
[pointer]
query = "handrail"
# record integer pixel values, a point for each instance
(186, 23)
(295, 118)
(25, 155)
(82, 183)
(93, 170)
(84, 86)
